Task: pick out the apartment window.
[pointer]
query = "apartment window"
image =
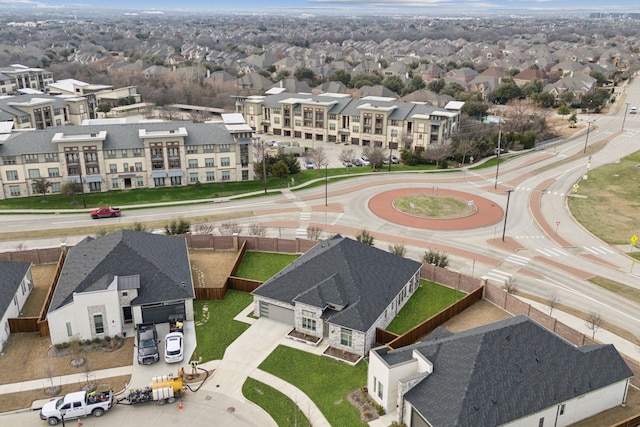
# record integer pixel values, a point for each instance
(114, 183)
(395, 123)
(192, 149)
(140, 182)
(276, 120)
(51, 157)
(209, 163)
(12, 175)
(224, 161)
(193, 163)
(380, 390)
(69, 330)
(137, 152)
(332, 116)
(31, 158)
(173, 152)
(138, 167)
(53, 172)
(95, 187)
(226, 175)
(211, 176)
(308, 320)
(93, 170)
(224, 148)
(56, 187)
(355, 119)
(111, 154)
(98, 323)
(208, 148)
(193, 177)
(9, 160)
(125, 167)
(176, 181)
(562, 409)
(245, 175)
(113, 168)
(14, 190)
(174, 164)
(346, 336)
(298, 123)
(123, 152)
(34, 173)
(394, 133)
(158, 182)
(332, 126)
(91, 157)
(356, 129)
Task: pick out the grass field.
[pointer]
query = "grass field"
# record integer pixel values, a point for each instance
(432, 206)
(262, 265)
(283, 411)
(610, 208)
(326, 381)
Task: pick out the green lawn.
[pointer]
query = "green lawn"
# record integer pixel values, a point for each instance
(426, 301)
(326, 381)
(263, 265)
(215, 327)
(282, 409)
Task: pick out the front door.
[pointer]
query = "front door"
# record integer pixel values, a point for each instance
(126, 314)
(127, 183)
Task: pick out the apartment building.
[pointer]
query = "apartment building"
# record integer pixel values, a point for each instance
(39, 111)
(17, 77)
(126, 156)
(376, 121)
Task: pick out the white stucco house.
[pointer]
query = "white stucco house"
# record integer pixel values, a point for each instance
(340, 291)
(123, 277)
(16, 284)
(513, 372)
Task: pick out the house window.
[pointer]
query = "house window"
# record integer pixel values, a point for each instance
(15, 300)
(111, 154)
(308, 320)
(98, 323)
(176, 181)
(125, 167)
(192, 149)
(123, 152)
(193, 177)
(12, 175)
(346, 337)
(375, 384)
(69, 330)
(95, 187)
(223, 148)
(140, 181)
(562, 409)
(56, 187)
(356, 129)
(34, 173)
(14, 190)
(224, 161)
(380, 390)
(209, 163)
(114, 183)
(53, 172)
(211, 176)
(137, 152)
(193, 163)
(113, 168)
(541, 422)
(208, 148)
(51, 157)
(226, 175)
(31, 158)
(158, 182)
(9, 160)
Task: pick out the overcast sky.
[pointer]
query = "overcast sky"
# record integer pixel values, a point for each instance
(351, 7)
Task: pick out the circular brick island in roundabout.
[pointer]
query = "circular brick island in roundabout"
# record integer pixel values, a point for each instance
(486, 212)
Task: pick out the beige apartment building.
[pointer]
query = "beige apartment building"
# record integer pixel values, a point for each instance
(18, 77)
(41, 111)
(126, 156)
(376, 121)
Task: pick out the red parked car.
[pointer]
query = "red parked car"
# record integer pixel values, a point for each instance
(105, 212)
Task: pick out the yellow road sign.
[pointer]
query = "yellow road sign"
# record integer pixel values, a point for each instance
(634, 239)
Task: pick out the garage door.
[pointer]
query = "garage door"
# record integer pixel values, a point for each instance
(277, 313)
(159, 313)
(417, 420)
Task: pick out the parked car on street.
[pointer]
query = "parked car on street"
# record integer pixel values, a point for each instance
(105, 212)
(173, 347)
(76, 405)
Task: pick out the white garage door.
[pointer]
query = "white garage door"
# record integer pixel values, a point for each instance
(277, 313)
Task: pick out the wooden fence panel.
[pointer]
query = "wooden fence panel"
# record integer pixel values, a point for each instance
(214, 294)
(244, 285)
(23, 324)
(236, 263)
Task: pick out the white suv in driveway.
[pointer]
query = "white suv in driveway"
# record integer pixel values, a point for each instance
(173, 347)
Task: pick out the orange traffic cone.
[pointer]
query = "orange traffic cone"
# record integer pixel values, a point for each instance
(180, 406)
(79, 422)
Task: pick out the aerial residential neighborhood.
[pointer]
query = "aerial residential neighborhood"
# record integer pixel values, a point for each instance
(288, 217)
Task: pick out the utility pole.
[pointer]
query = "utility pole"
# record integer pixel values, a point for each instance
(626, 105)
(587, 138)
(84, 199)
(506, 212)
(495, 185)
(326, 182)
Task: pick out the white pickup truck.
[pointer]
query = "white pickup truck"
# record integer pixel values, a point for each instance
(76, 405)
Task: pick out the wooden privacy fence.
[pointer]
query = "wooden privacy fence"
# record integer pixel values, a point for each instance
(629, 422)
(23, 324)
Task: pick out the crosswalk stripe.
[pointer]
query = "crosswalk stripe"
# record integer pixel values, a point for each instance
(591, 250)
(559, 251)
(599, 250)
(516, 261)
(544, 252)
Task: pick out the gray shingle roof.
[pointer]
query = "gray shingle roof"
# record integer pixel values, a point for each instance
(503, 371)
(162, 263)
(342, 272)
(11, 275)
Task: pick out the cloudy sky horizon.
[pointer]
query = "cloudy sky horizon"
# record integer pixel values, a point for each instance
(351, 7)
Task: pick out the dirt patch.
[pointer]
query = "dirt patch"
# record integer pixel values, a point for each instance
(209, 268)
(480, 313)
(360, 399)
(42, 276)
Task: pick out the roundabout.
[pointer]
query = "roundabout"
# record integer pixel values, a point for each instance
(392, 207)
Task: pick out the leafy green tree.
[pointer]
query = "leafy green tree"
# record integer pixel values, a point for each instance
(544, 99)
(416, 83)
(440, 259)
(475, 109)
(280, 170)
(573, 119)
(393, 83)
(360, 80)
(282, 74)
(70, 189)
(42, 185)
(365, 237)
(303, 74)
(563, 110)
(398, 249)
(177, 226)
(506, 92)
(452, 89)
(436, 85)
(341, 76)
(600, 78)
(532, 87)
(104, 108)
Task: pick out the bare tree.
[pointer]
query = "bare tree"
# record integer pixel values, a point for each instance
(593, 322)
(257, 229)
(313, 233)
(229, 228)
(398, 249)
(553, 302)
(365, 237)
(42, 185)
(376, 155)
(347, 155)
(138, 226)
(21, 247)
(437, 153)
(511, 285)
(318, 157)
(204, 228)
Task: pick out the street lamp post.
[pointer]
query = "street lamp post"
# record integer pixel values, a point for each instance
(626, 105)
(506, 212)
(587, 138)
(495, 185)
(326, 182)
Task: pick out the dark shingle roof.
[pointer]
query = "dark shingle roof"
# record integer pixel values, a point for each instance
(342, 272)
(503, 371)
(11, 275)
(161, 262)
